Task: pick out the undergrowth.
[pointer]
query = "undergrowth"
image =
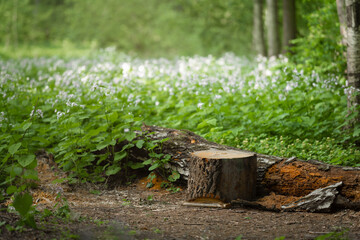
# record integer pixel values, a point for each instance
(77, 107)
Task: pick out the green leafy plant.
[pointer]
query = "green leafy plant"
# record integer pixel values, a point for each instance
(83, 109)
(336, 235)
(23, 204)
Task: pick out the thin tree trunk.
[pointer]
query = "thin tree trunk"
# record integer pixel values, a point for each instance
(272, 28)
(289, 23)
(353, 55)
(258, 33)
(15, 24)
(340, 4)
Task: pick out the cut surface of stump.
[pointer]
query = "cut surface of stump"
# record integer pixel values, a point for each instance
(224, 175)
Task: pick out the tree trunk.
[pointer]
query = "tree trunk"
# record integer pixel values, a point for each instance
(15, 24)
(258, 32)
(289, 23)
(272, 28)
(353, 55)
(340, 5)
(223, 175)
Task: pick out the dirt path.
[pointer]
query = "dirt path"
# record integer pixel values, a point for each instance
(163, 213)
(135, 212)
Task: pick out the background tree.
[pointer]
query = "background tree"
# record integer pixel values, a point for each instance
(258, 31)
(342, 19)
(353, 54)
(272, 28)
(289, 23)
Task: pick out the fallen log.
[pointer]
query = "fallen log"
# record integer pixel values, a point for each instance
(290, 177)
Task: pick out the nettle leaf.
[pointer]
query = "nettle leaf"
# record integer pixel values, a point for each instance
(14, 148)
(112, 170)
(22, 203)
(25, 160)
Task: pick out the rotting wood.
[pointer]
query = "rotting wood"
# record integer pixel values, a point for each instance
(319, 200)
(299, 178)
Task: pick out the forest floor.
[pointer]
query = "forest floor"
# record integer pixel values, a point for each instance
(136, 212)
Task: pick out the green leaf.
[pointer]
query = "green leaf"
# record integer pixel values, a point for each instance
(26, 126)
(13, 148)
(102, 145)
(356, 132)
(31, 174)
(207, 122)
(112, 170)
(11, 189)
(113, 117)
(130, 136)
(40, 139)
(174, 176)
(30, 221)
(140, 144)
(147, 162)
(22, 203)
(127, 146)
(137, 165)
(119, 156)
(14, 170)
(95, 192)
(154, 166)
(25, 160)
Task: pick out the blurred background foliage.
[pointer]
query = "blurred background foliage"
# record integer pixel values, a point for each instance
(165, 28)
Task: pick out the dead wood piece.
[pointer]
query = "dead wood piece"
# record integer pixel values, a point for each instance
(241, 203)
(299, 178)
(210, 205)
(320, 200)
(224, 175)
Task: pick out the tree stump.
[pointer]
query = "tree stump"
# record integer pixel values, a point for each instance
(222, 175)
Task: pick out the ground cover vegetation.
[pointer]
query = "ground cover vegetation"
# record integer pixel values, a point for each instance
(83, 101)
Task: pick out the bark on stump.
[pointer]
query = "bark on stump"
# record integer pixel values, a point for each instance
(222, 175)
